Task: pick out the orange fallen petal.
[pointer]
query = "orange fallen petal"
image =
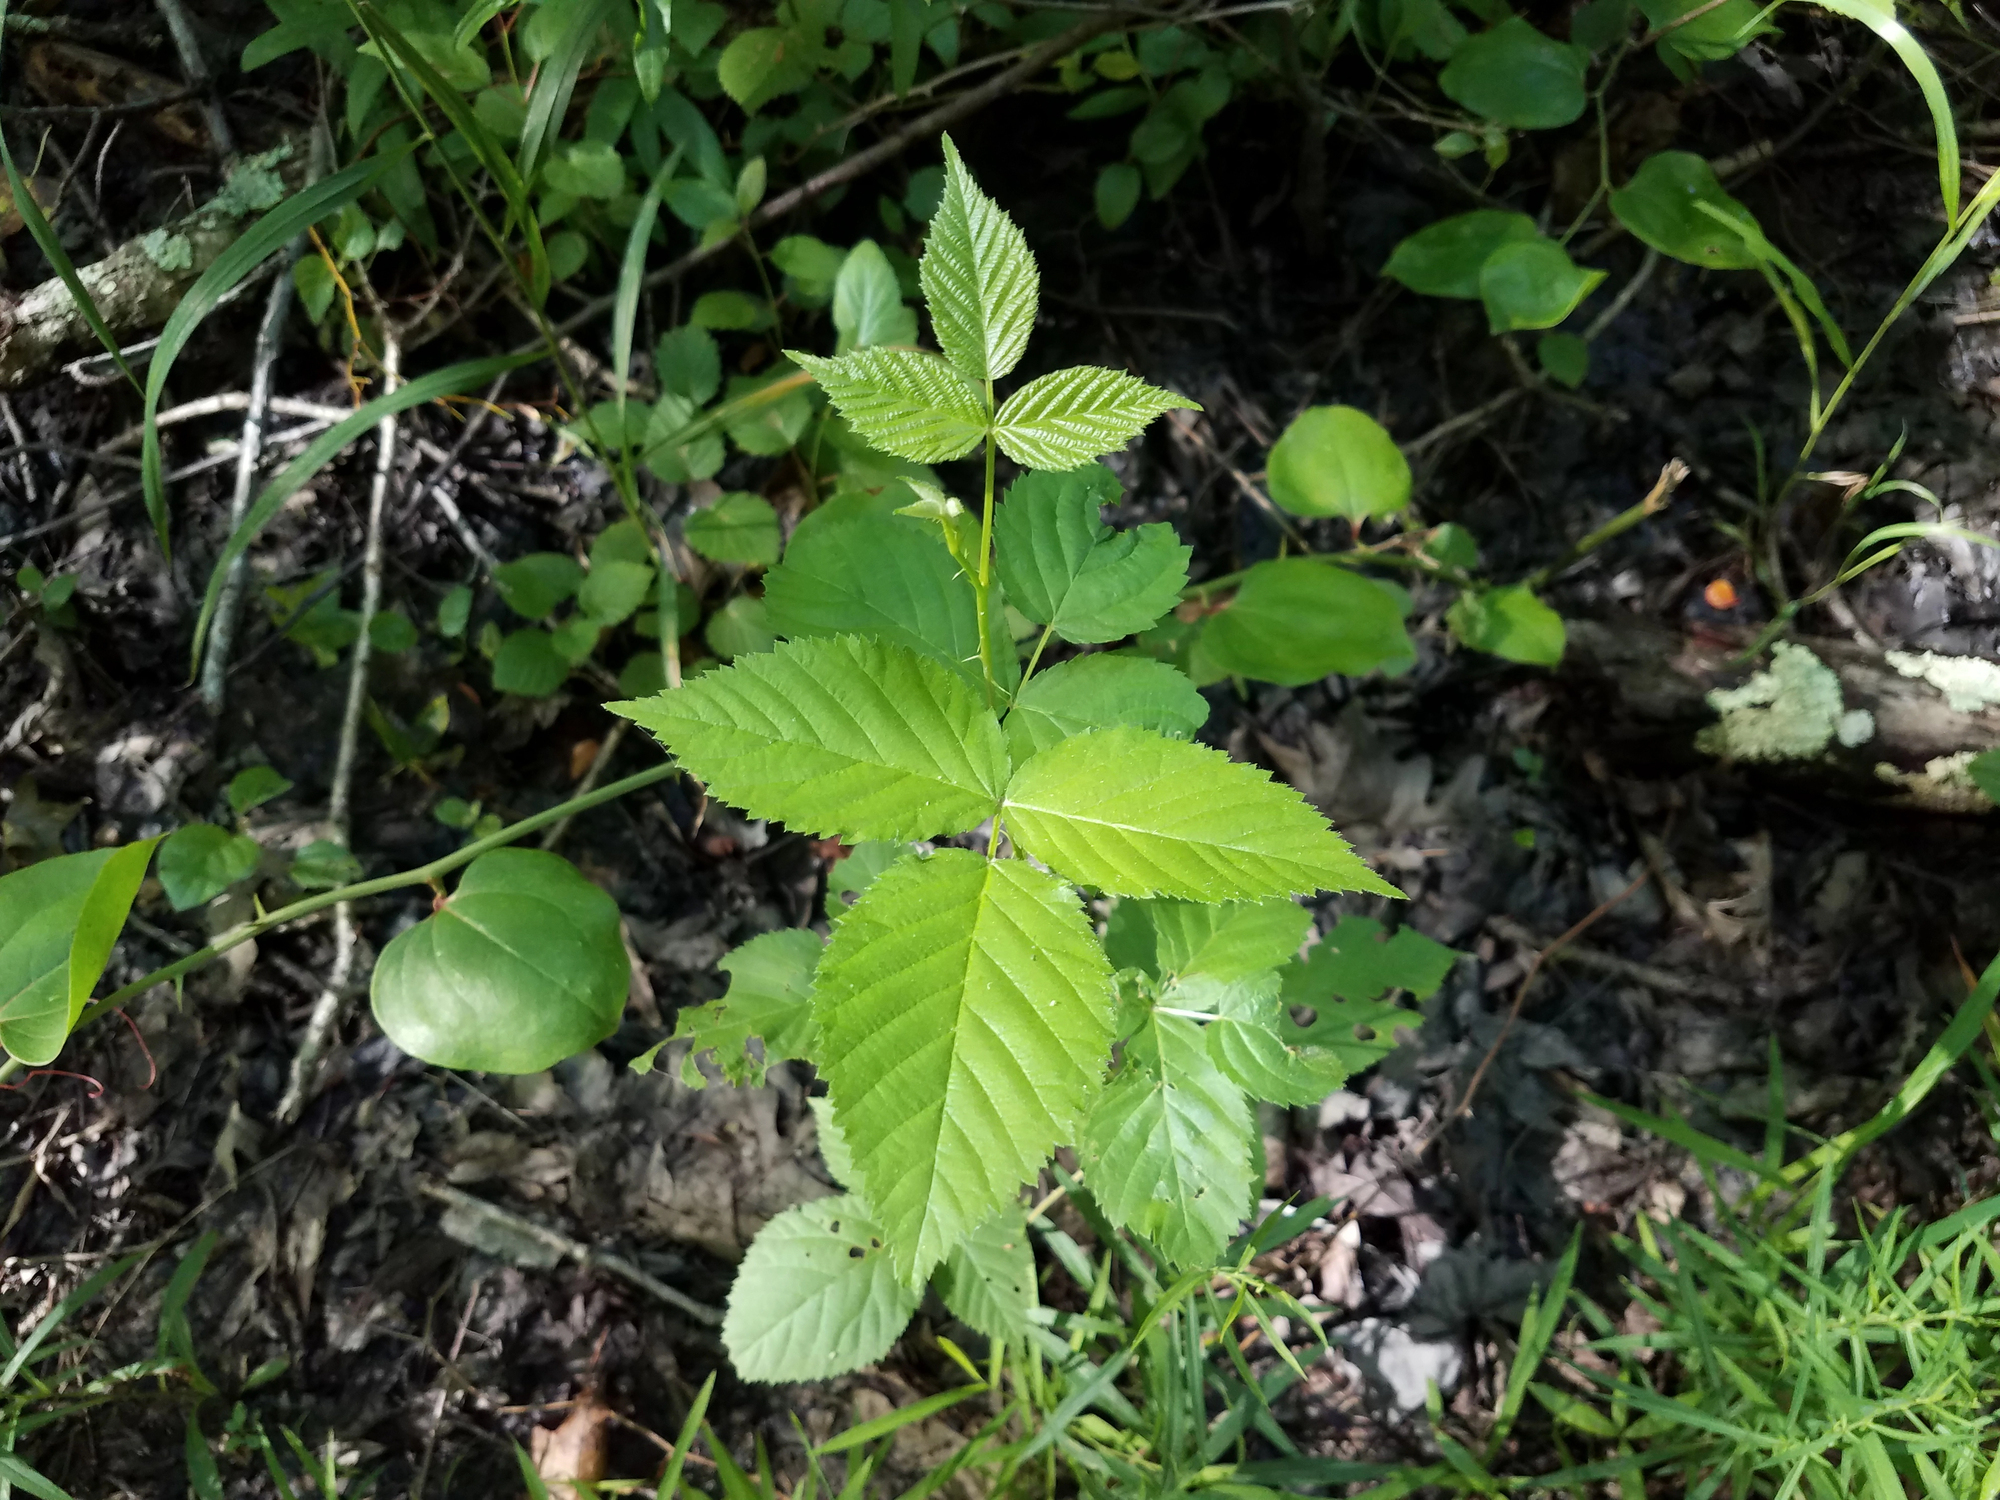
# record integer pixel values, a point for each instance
(1720, 594)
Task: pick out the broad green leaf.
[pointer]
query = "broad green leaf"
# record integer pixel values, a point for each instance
(760, 65)
(1295, 620)
(59, 920)
(1247, 1040)
(772, 414)
(1134, 814)
(576, 638)
(1718, 32)
(200, 862)
(324, 865)
(1062, 566)
(905, 402)
(1659, 206)
(1338, 461)
(1166, 1150)
(1515, 76)
(529, 663)
(671, 450)
(817, 1295)
(742, 627)
(1355, 962)
(845, 737)
(964, 1009)
(521, 967)
(1532, 284)
(833, 1152)
(613, 589)
(1443, 259)
(1072, 416)
(769, 998)
(855, 567)
(1118, 184)
(731, 311)
(1564, 358)
(868, 302)
(555, 79)
(811, 264)
(1190, 940)
(688, 364)
(988, 1280)
(979, 279)
(1509, 622)
(1097, 692)
(738, 528)
(254, 786)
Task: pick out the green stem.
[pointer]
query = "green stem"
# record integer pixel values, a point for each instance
(421, 875)
(1035, 659)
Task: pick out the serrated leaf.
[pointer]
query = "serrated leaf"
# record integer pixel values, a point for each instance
(521, 967)
(817, 1295)
(851, 876)
(904, 401)
(769, 999)
(1098, 692)
(1167, 1148)
(964, 1009)
(1355, 1034)
(979, 278)
(845, 737)
(535, 584)
(1355, 962)
(1247, 1041)
(201, 861)
(1188, 940)
(868, 302)
(855, 567)
(988, 1280)
(1134, 814)
(833, 1152)
(738, 528)
(1072, 416)
(613, 590)
(1062, 566)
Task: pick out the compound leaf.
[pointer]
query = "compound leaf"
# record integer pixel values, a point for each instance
(847, 737)
(964, 1009)
(979, 279)
(904, 401)
(769, 998)
(1098, 692)
(521, 967)
(1167, 1149)
(201, 861)
(817, 1295)
(59, 920)
(854, 567)
(1063, 567)
(989, 1278)
(1134, 814)
(1067, 418)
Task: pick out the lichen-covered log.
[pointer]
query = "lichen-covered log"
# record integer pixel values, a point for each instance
(138, 285)
(1893, 723)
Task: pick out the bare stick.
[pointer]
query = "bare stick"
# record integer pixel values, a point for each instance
(249, 452)
(574, 1250)
(326, 1010)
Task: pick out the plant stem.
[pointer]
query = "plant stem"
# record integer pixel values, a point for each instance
(1035, 659)
(421, 875)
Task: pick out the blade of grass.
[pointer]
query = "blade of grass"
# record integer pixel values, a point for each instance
(916, 1411)
(670, 1481)
(324, 448)
(555, 81)
(55, 1317)
(265, 238)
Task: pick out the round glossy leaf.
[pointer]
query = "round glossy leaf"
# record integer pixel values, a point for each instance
(1515, 76)
(1532, 284)
(1295, 620)
(1337, 461)
(201, 861)
(1443, 259)
(1661, 206)
(520, 968)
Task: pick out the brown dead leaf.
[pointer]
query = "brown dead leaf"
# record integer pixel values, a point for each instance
(575, 1450)
(66, 74)
(582, 756)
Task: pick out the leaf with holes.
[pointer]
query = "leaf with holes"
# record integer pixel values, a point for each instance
(978, 277)
(989, 1279)
(817, 1295)
(1072, 416)
(521, 967)
(845, 737)
(904, 401)
(1356, 962)
(1135, 814)
(1248, 1041)
(1167, 1148)
(1099, 692)
(964, 1009)
(1063, 567)
(769, 1000)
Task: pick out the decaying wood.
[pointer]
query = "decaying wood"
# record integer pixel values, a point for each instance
(137, 285)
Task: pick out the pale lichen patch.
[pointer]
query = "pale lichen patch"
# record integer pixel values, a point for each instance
(1792, 710)
(1945, 784)
(1969, 683)
(170, 252)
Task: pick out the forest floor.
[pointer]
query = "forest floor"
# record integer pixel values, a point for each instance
(1787, 905)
